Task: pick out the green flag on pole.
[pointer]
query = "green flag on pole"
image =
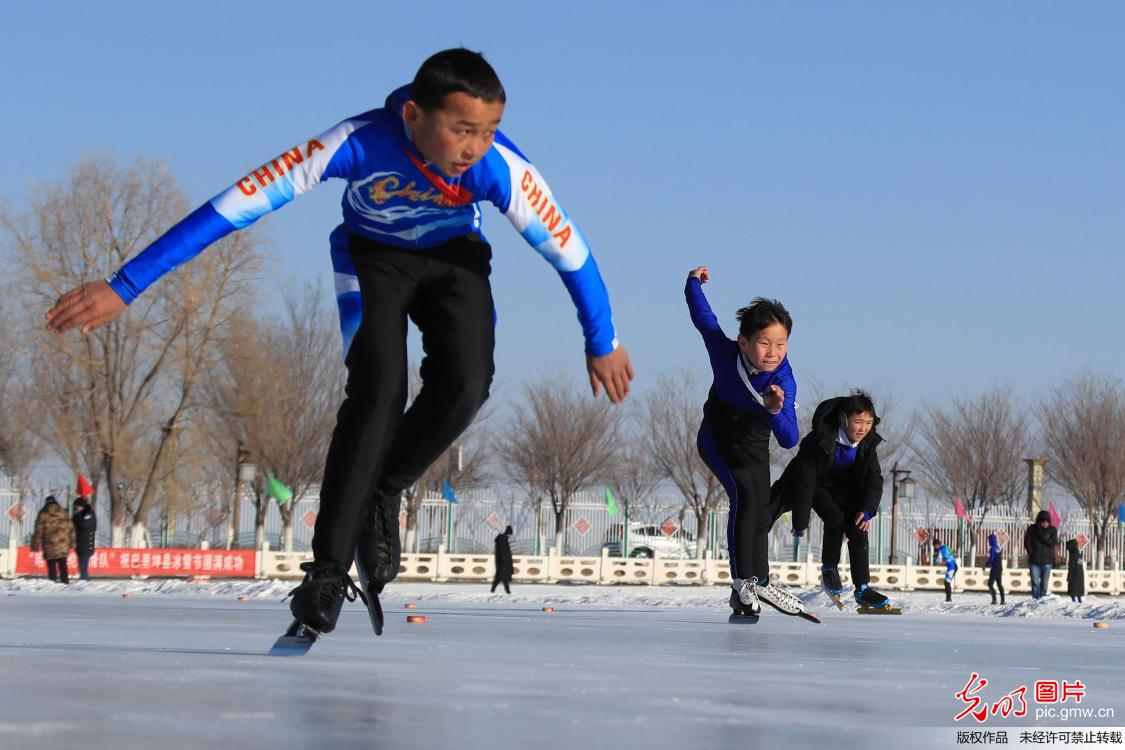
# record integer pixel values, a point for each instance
(610, 502)
(277, 490)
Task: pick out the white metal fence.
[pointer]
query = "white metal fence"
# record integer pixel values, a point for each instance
(471, 527)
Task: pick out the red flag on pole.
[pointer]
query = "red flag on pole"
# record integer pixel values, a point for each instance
(1056, 519)
(959, 509)
(83, 490)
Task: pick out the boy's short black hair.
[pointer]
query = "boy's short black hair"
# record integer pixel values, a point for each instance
(763, 313)
(453, 70)
(858, 402)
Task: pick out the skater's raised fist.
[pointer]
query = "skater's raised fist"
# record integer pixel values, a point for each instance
(89, 306)
(702, 274)
(774, 399)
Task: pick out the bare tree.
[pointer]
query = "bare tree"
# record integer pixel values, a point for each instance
(277, 390)
(115, 399)
(19, 446)
(674, 409)
(636, 477)
(1082, 427)
(558, 442)
(973, 450)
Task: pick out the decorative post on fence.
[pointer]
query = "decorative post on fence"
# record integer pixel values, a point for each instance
(243, 472)
(907, 494)
(1034, 485)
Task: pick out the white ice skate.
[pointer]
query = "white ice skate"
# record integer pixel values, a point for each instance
(778, 596)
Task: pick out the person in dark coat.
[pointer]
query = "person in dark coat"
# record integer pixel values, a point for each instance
(995, 568)
(1075, 573)
(504, 567)
(836, 473)
(85, 526)
(1039, 541)
(54, 536)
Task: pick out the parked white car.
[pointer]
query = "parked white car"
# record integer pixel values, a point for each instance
(647, 540)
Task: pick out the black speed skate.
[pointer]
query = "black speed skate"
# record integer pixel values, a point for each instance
(830, 580)
(872, 602)
(378, 553)
(316, 607)
(743, 613)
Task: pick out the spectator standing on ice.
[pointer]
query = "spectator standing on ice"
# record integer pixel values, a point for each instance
(85, 526)
(54, 536)
(1075, 573)
(995, 568)
(504, 567)
(1039, 541)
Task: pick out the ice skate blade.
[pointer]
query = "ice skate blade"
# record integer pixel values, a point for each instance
(297, 641)
(879, 610)
(374, 608)
(742, 619)
(803, 614)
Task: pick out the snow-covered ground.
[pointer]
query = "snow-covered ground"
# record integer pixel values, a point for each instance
(180, 664)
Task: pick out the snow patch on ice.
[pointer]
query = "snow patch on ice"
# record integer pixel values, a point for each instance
(587, 595)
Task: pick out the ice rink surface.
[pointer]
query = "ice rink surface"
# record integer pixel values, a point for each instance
(180, 665)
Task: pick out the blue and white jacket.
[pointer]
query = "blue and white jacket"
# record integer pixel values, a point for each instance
(944, 557)
(392, 196)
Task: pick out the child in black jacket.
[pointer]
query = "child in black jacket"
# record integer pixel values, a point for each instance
(836, 473)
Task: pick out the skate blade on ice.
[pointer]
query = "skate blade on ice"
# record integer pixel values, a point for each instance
(803, 614)
(888, 610)
(297, 641)
(374, 608)
(837, 599)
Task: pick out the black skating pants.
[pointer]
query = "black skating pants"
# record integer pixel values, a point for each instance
(838, 516)
(497, 580)
(744, 471)
(376, 446)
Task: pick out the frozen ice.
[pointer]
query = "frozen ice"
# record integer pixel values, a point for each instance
(179, 664)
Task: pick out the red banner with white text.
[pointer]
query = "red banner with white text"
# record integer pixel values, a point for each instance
(121, 561)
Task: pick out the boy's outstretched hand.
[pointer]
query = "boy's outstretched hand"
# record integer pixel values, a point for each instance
(90, 306)
(702, 274)
(614, 371)
(774, 399)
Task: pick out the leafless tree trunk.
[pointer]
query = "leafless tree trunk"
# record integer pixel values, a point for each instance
(558, 442)
(277, 390)
(635, 476)
(1082, 424)
(673, 411)
(973, 450)
(19, 446)
(115, 399)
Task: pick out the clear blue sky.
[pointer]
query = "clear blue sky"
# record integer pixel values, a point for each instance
(935, 191)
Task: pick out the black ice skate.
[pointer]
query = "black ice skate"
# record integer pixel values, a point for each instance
(830, 580)
(744, 602)
(316, 607)
(378, 553)
(871, 602)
